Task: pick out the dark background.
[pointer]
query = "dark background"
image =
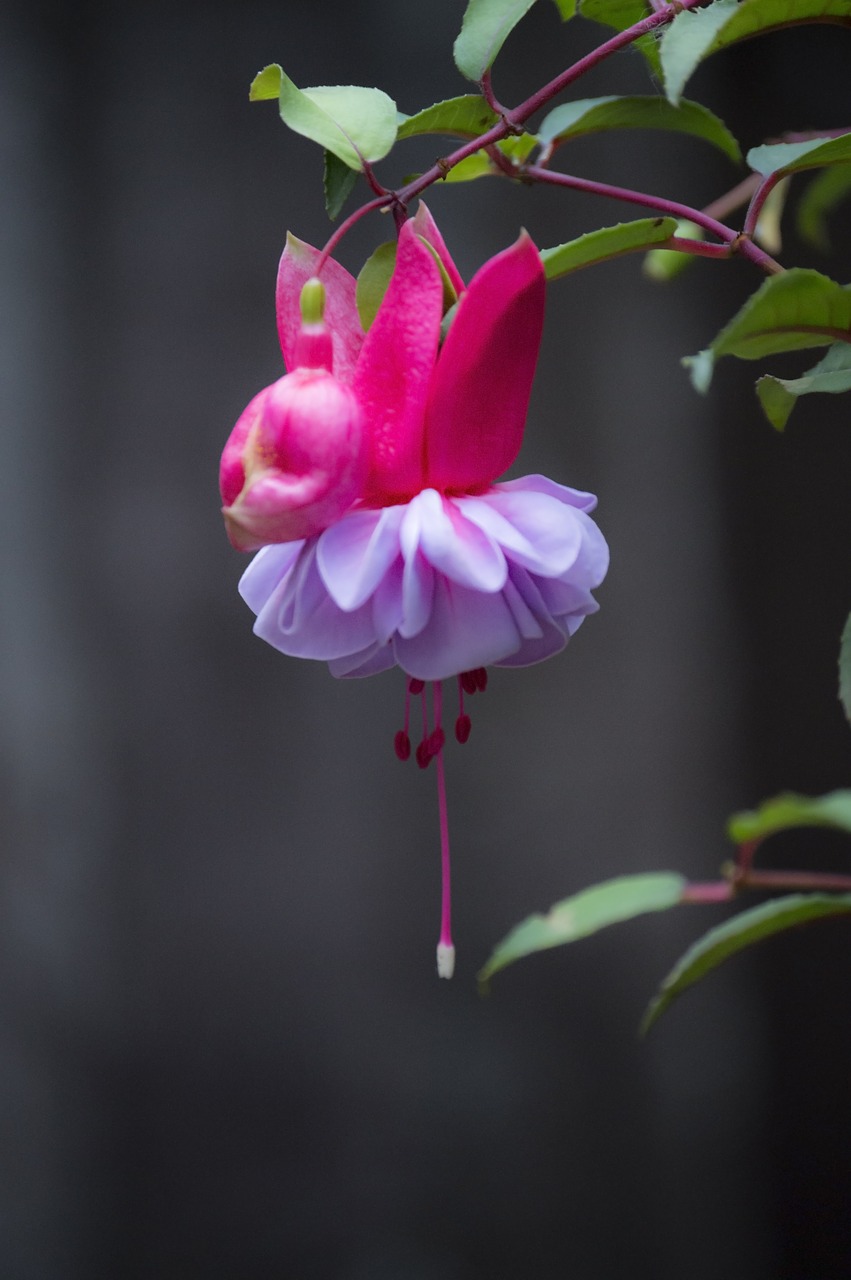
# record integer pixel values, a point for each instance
(223, 1049)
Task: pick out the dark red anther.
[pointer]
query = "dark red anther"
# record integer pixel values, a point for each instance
(422, 754)
(481, 677)
(415, 686)
(402, 745)
(468, 682)
(436, 740)
(463, 725)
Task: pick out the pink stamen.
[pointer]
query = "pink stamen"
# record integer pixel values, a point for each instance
(445, 947)
(467, 681)
(463, 724)
(481, 678)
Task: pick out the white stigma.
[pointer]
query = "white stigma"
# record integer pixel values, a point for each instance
(445, 960)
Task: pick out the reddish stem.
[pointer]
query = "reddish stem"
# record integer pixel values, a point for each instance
(758, 200)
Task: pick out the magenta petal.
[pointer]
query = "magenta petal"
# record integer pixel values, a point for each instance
(426, 227)
(480, 392)
(394, 369)
(298, 264)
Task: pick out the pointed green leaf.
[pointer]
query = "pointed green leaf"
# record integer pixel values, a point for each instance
(621, 14)
(372, 282)
(789, 312)
(593, 115)
(480, 165)
(466, 117)
(266, 84)
(778, 396)
(566, 8)
(663, 265)
(352, 122)
(794, 157)
(608, 242)
(726, 22)
(585, 913)
(744, 930)
(689, 38)
(787, 811)
(821, 197)
(338, 182)
(486, 26)
(845, 670)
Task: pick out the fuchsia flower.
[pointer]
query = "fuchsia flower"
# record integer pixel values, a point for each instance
(403, 550)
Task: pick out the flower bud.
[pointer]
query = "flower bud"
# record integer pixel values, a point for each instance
(296, 459)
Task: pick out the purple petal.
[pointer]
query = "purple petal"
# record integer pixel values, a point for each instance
(355, 554)
(466, 629)
(369, 662)
(457, 547)
(543, 484)
(533, 529)
(301, 619)
(266, 571)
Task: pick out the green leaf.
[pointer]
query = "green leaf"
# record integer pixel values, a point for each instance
(372, 282)
(266, 84)
(726, 22)
(778, 396)
(352, 122)
(338, 182)
(585, 913)
(744, 930)
(794, 157)
(608, 242)
(566, 8)
(464, 117)
(480, 165)
(797, 309)
(663, 265)
(592, 115)
(821, 197)
(689, 38)
(845, 670)
(788, 811)
(621, 14)
(486, 25)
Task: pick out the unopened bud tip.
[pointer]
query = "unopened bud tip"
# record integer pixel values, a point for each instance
(312, 301)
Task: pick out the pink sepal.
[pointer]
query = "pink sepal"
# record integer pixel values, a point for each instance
(298, 264)
(480, 392)
(426, 227)
(394, 370)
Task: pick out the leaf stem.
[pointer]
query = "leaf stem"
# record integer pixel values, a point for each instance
(379, 202)
(758, 199)
(670, 207)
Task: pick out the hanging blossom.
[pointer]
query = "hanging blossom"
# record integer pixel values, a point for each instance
(367, 476)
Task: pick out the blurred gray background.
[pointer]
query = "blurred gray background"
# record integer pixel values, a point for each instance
(223, 1048)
